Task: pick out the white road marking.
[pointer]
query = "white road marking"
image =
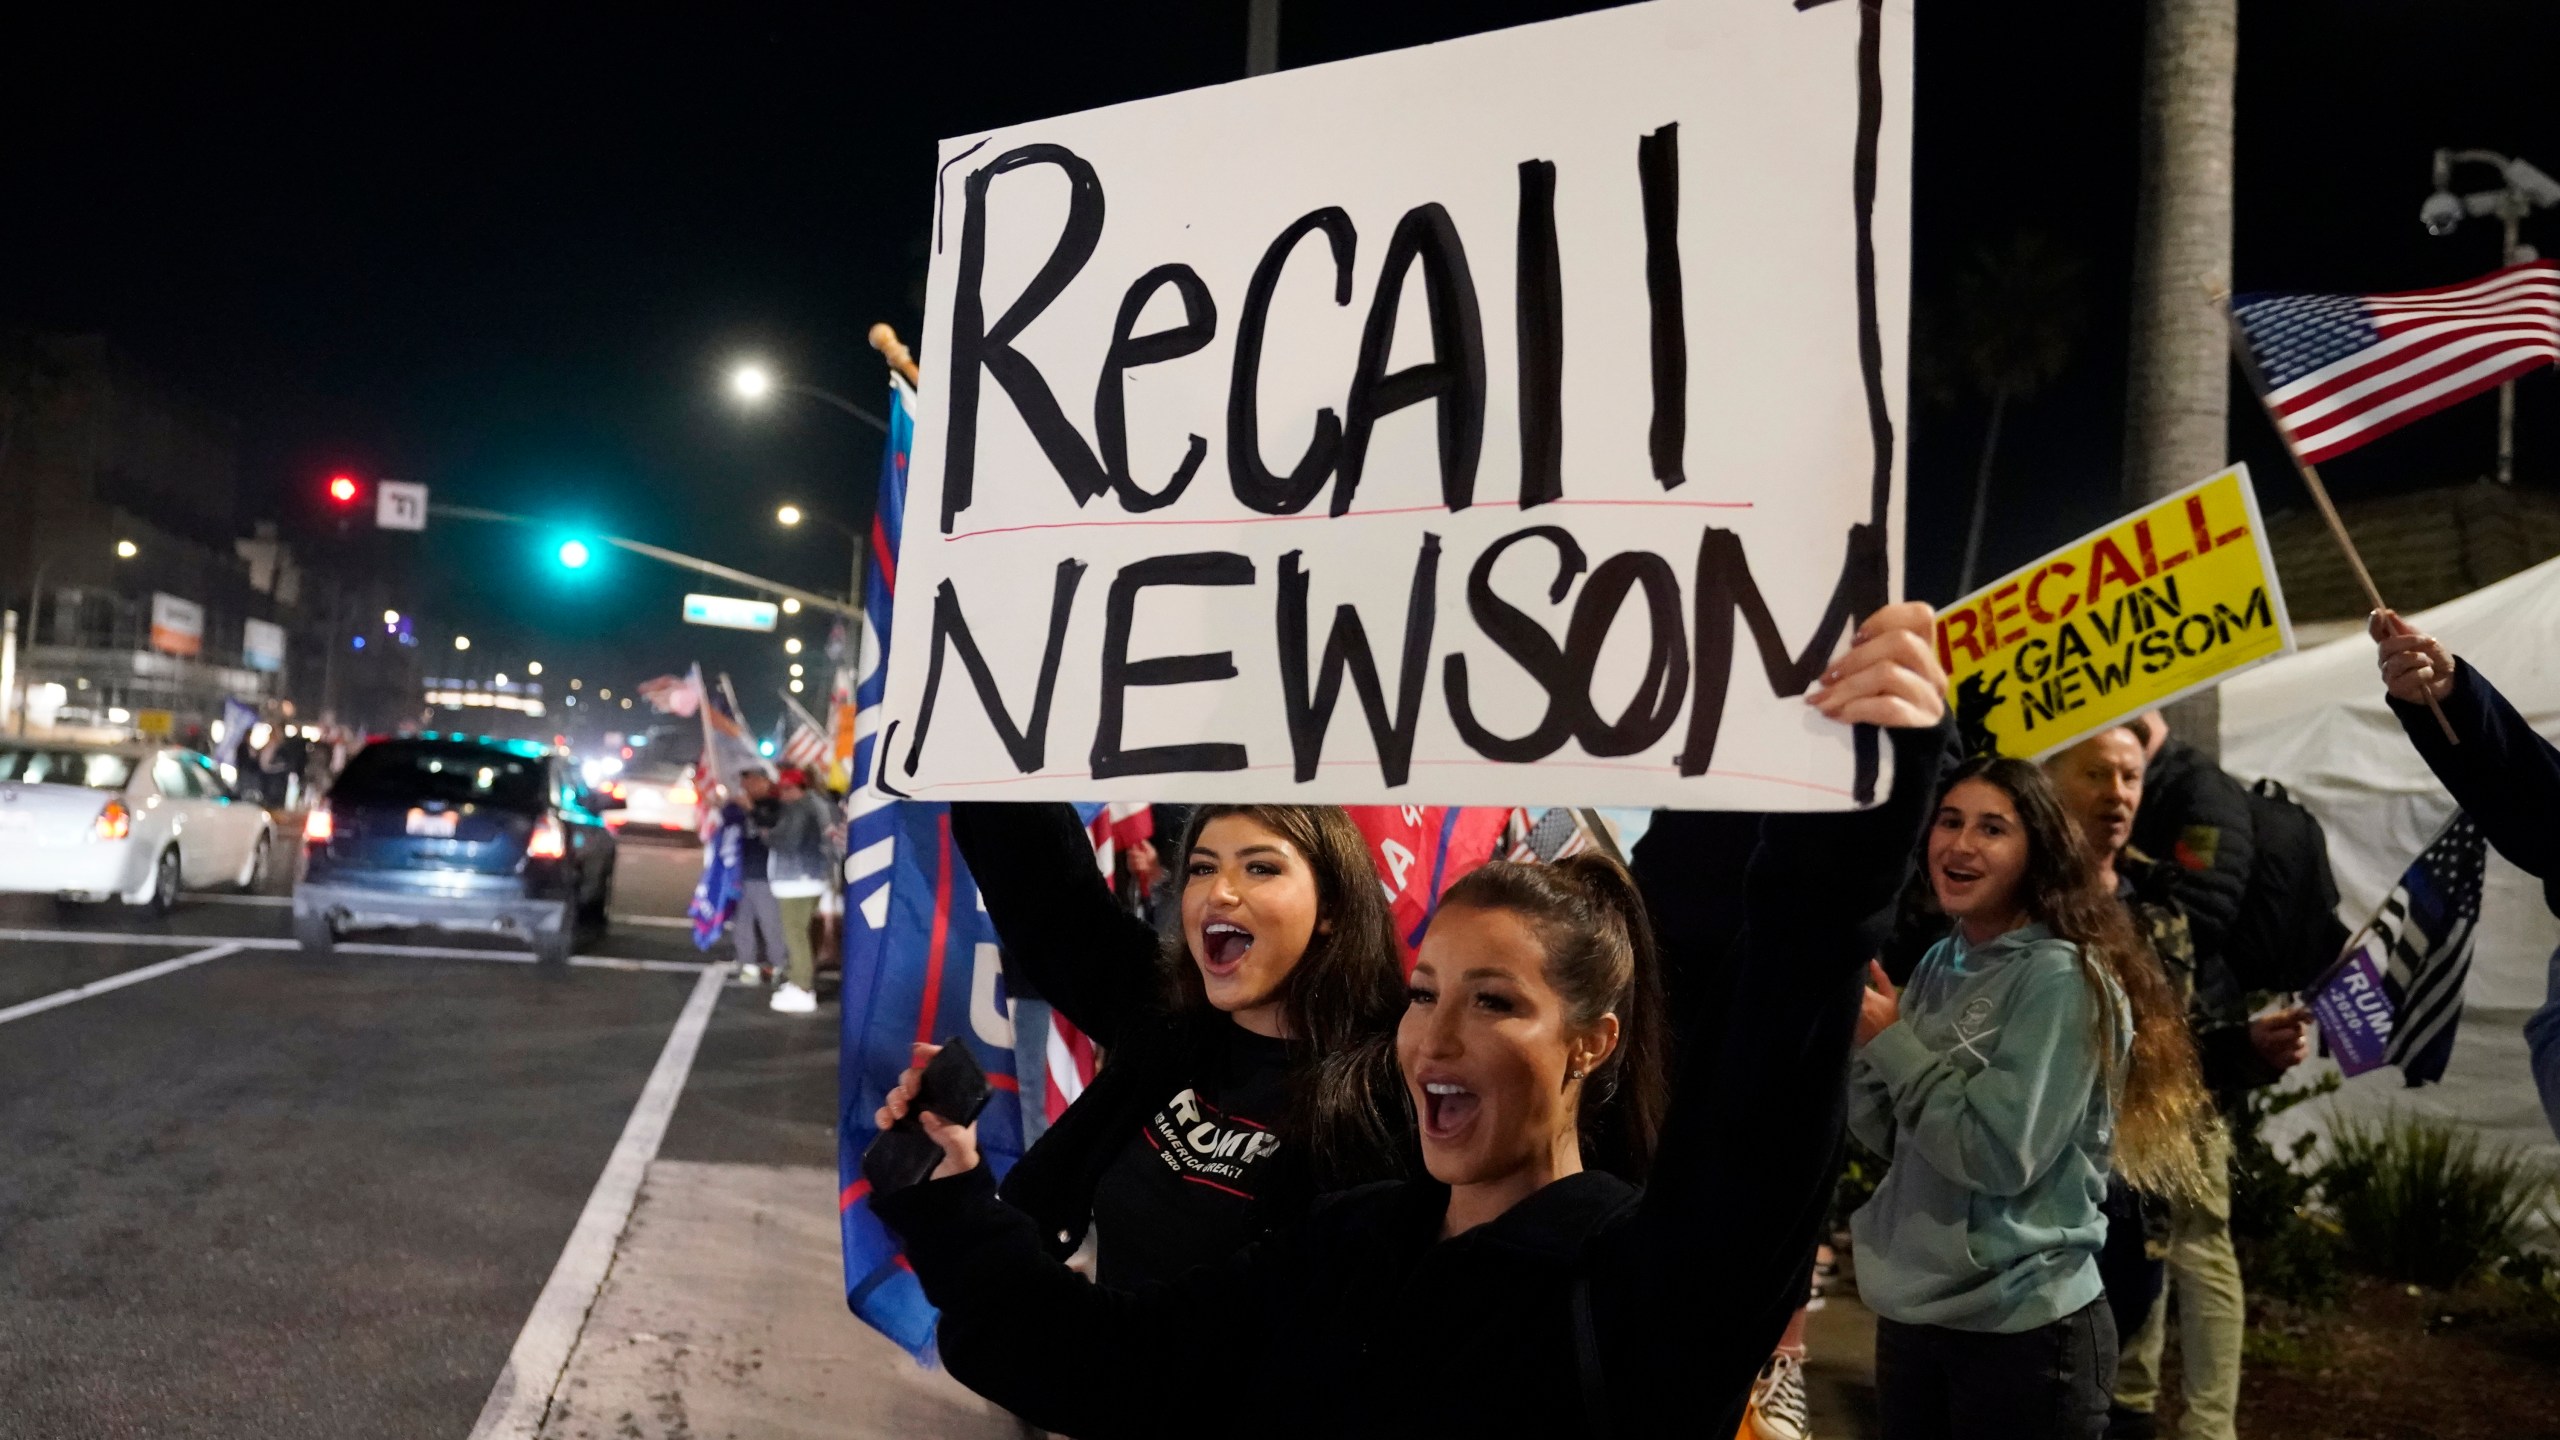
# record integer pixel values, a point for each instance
(277, 901)
(61, 998)
(521, 1400)
(656, 922)
(353, 947)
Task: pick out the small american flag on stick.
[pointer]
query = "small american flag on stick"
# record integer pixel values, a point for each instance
(2339, 370)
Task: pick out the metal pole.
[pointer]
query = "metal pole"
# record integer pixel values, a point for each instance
(1262, 37)
(659, 553)
(838, 401)
(2509, 210)
(8, 666)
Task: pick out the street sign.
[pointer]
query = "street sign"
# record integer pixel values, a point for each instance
(262, 645)
(400, 505)
(155, 723)
(730, 612)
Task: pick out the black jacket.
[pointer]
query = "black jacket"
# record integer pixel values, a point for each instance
(1362, 1322)
(2505, 776)
(1100, 967)
(2197, 817)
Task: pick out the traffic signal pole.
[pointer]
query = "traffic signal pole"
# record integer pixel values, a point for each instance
(810, 599)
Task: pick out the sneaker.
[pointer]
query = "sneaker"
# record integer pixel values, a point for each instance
(1777, 1410)
(790, 999)
(2125, 1424)
(750, 973)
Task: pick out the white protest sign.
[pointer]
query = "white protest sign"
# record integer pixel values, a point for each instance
(1512, 420)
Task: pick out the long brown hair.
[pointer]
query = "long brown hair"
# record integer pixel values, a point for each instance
(2168, 1135)
(1340, 1001)
(1600, 958)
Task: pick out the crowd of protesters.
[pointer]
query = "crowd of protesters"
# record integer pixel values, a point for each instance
(1571, 1172)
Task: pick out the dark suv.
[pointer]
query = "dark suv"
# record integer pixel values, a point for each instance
(460, 834)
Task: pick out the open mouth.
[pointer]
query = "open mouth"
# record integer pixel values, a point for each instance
(1958, 874)
(1446, 1108)
(1223, 945)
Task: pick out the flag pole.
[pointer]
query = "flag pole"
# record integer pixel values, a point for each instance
(892, 349)
(2311, 478)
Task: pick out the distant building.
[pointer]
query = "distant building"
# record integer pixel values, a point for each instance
(2423, 548)
(121, 554)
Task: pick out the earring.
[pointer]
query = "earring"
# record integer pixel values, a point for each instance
(1575, 1075)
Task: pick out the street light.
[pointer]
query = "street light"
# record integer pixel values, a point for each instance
(2526, 190)
(126, 549)
(790, 605)
(791, 646)
(390, 617)
(754, 383)
(788, 514)
(461, 642)
(533, 667)
(573, 554)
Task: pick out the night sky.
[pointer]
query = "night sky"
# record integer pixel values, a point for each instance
(509, 252)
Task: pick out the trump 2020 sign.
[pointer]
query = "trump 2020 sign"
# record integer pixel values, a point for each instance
(1511, 420)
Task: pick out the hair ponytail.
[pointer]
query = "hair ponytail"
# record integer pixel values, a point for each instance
(1602, 960)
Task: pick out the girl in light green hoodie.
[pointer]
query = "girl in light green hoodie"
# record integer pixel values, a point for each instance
(2034, 1047)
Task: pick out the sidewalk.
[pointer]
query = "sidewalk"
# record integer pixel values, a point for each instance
(1840, 1369)
(724, 1316)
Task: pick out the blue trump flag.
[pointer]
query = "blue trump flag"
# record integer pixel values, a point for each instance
(920, 956)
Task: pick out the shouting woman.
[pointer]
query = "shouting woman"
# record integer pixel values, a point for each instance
(1519, 1289)
(1250, 1064)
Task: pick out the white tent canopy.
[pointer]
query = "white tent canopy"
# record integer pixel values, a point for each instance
(2317, 722)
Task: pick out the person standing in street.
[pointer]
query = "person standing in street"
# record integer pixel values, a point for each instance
(2035, 1048)
(2505, 776)
(757, 933)
(2100, 784)
(799, 865)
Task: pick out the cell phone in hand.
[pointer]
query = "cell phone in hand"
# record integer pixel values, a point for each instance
(952, 1087)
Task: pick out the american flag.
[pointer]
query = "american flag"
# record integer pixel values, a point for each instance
(2344, 369)
(803, 743)
(2426, 928)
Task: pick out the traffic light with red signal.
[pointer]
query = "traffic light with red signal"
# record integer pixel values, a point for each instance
(344, 492)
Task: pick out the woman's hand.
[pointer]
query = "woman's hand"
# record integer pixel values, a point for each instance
(1890, 675)
(959, 1142)
(1879, 1005)
(2415, 667)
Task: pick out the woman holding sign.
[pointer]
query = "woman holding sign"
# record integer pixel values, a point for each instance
(1516, 1290)
(2035, 1047)
(1249, 1058)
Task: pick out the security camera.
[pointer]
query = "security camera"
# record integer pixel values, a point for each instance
(2527, 179)
(2441, 214)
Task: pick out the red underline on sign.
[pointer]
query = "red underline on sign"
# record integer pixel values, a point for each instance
(923, 791)
(1349, 515)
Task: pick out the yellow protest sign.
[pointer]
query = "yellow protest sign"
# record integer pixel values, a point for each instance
(2174, 597)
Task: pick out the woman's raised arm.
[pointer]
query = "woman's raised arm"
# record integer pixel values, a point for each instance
(1056, 914)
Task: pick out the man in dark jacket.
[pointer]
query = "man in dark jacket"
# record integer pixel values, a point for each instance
(2196, 816)
(2505, 776)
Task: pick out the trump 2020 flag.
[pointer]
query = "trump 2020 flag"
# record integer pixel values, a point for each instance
(920, 963)
(2398, 997)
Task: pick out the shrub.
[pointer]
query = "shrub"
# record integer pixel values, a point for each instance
(2288, 1250)
(2418, 1200)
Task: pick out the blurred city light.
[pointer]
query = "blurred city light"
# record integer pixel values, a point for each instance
(751, 382)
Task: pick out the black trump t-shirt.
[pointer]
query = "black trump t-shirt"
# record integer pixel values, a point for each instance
(1180, 1193)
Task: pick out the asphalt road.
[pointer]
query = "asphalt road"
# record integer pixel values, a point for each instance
(248, 1193)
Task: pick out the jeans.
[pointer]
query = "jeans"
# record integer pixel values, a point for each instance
(2542, 1042)
(2205, 1273)
(2049, 1383)
(757, 931)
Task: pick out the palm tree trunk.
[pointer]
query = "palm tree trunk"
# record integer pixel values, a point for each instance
(1981, 493)
(2178, 395)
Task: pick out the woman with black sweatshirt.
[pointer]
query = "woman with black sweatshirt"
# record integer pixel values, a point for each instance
(1249, 1064)
(1515, 1291)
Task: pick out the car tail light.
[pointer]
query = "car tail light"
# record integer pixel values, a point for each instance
(114, 822)
(681, 792)
(619, 791)
(319, 827)
(549, 841)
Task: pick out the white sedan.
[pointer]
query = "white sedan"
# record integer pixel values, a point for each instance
(137, 823)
